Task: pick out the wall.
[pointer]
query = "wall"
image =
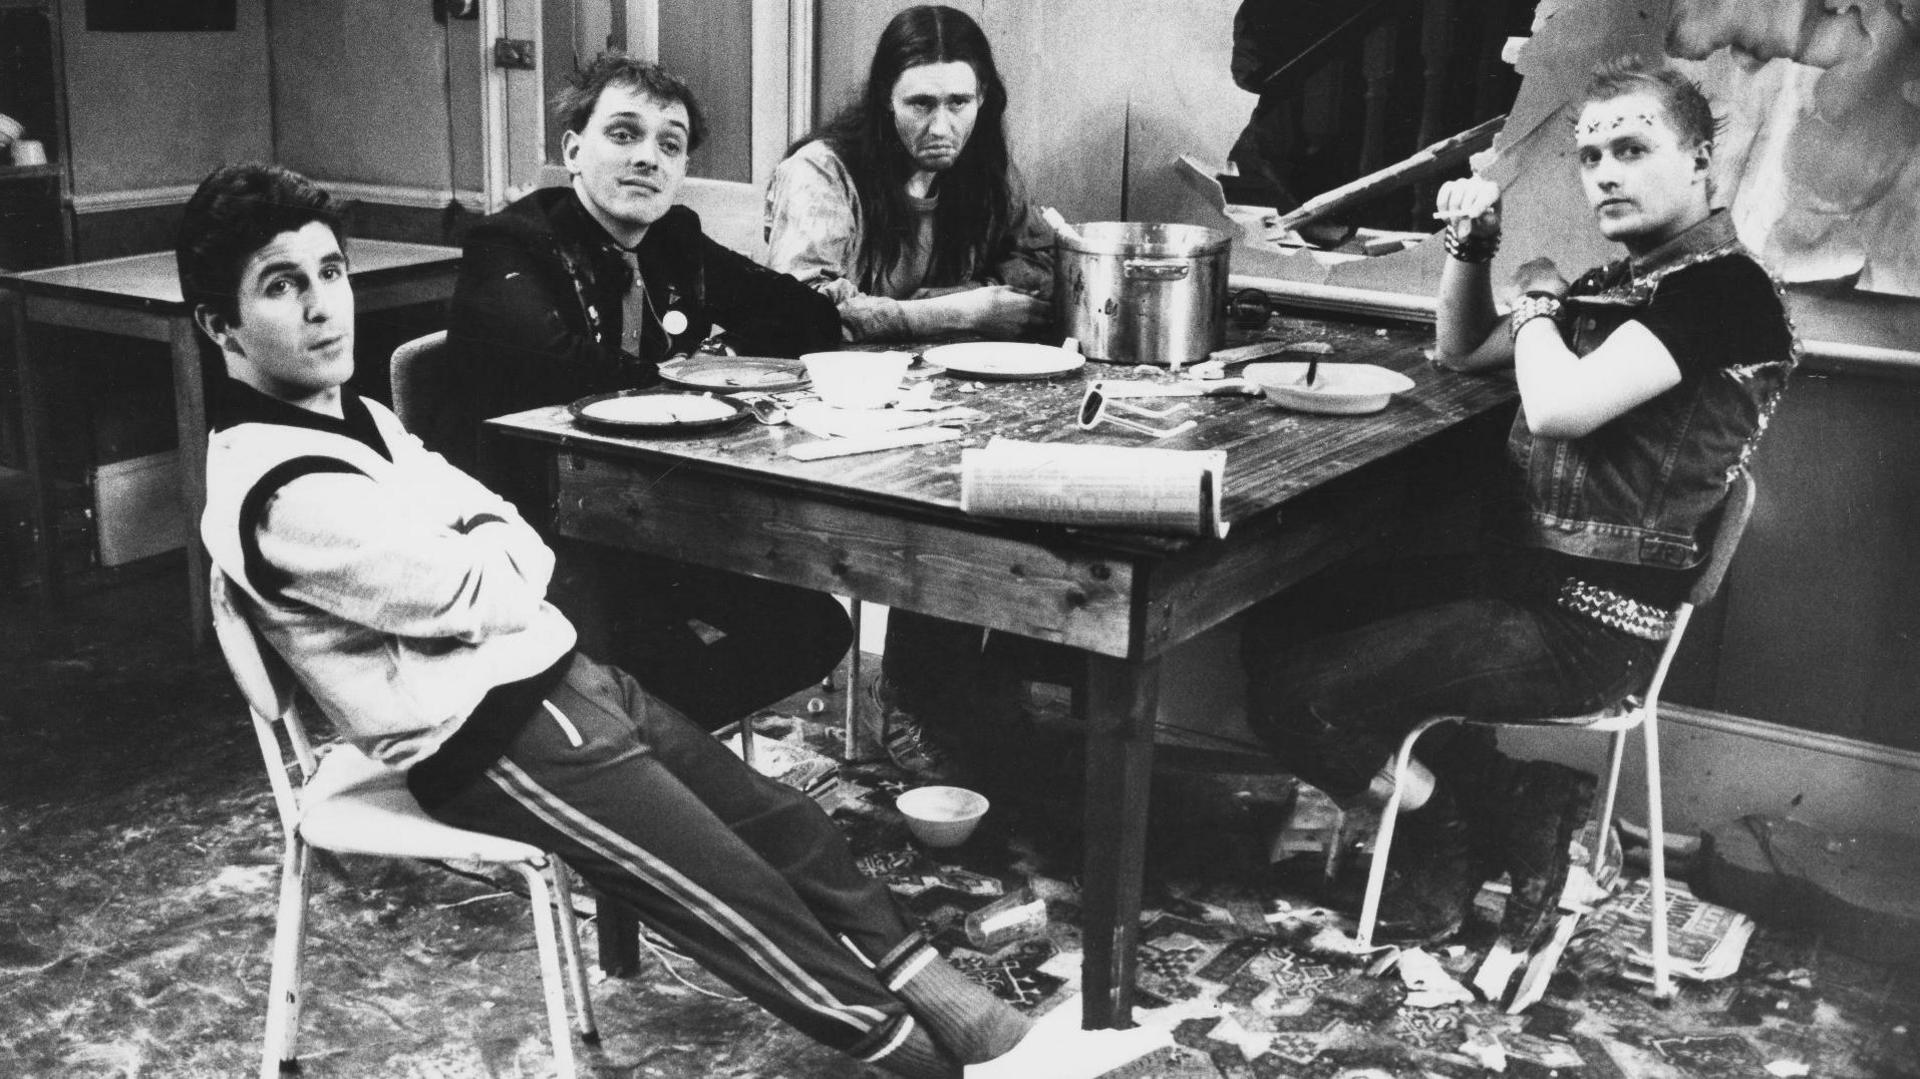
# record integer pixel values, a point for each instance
(710, 44)
(1102, 95)
(360, 92)
(160, 110)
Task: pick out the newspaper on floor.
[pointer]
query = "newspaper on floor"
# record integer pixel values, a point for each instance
(1705, 941)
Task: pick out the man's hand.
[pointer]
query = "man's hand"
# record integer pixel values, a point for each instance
(1539, 275)
(1471, 207)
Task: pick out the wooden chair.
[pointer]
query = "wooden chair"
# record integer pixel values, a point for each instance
(1641, 711)
(349, 803)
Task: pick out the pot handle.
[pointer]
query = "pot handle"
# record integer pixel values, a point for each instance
(1155, 269)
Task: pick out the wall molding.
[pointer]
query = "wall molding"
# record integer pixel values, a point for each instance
(140, 198)
(424, 198)
(1791, 737)
(148, 198)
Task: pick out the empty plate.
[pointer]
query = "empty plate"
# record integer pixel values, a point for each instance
(1003, 359)
(727, 374)
(641, 412)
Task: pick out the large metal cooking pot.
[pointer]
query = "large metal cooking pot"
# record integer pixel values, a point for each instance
(1138, 292)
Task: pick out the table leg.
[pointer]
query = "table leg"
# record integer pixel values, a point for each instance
(33, 427)
(1122, 704)
(190, 426)
(618, 932)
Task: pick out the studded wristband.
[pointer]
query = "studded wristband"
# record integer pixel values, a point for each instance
(1532, 306)
(1478, 248)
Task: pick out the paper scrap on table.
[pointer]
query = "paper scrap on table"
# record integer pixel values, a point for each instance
(1151, 490)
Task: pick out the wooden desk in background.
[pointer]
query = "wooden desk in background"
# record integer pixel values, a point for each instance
(1301, 491)
(139, 296)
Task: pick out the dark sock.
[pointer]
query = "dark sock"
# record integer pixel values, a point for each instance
(966, 1017)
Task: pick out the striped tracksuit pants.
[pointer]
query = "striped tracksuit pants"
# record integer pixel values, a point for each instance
(745, 875)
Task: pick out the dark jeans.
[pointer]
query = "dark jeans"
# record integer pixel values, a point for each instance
(715, 645)
(1341, 668)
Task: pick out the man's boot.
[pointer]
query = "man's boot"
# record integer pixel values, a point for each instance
(1536, 812)
(1433, 874)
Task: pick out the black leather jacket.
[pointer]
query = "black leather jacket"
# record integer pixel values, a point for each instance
(536, 316)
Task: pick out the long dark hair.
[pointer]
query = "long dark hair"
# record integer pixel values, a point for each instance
(971, 223)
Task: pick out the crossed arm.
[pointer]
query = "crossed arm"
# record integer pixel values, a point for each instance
(1562, 395)
(459, 563)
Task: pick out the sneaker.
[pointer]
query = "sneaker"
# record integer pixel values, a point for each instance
(905, 739)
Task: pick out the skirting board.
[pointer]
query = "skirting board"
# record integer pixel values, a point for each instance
(1719, 767)
(1716, 767)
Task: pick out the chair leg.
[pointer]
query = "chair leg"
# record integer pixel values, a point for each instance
(552, 982)
(1616, 750)
(281, 1052)
(1657, 857)
(1389, 813)
(570, 949)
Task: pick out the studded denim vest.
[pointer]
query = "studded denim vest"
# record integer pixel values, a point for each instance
(1637, 489)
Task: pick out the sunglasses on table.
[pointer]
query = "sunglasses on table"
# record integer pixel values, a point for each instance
(1099, 406)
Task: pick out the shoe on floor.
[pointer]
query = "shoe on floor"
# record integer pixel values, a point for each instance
(1548, 803)
(905, 739)
(1432, 876)
(1056, 1048)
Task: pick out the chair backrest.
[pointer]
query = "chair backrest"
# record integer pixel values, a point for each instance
(1735, 512)
(418, 378)
(270, 693)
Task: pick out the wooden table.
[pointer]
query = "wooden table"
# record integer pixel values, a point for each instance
(139, 296)
(1301, 491)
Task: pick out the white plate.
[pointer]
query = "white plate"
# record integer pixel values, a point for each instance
(1004, 359)
(648, 411)
(1343, 389)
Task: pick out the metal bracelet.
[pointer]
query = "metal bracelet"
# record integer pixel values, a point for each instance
(1610, 608)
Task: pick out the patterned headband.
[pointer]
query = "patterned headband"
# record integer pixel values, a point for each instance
(1597, 126)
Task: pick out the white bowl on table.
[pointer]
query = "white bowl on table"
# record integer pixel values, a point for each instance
(1343, 389)
(856, 380)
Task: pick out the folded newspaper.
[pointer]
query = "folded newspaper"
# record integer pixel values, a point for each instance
(1705, 941)
(1148, 490)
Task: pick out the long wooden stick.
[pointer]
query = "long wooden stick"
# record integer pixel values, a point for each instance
(1440, 156)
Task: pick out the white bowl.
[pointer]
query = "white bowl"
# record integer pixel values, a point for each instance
(857, 379)
(1345, 389)
(942, 816)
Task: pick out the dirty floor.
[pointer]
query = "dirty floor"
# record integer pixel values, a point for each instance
(139, 858)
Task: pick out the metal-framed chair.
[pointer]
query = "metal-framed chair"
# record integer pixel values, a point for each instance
(348, 803)
(1641, 710)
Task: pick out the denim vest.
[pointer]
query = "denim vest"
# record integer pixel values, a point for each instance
(1637, 489)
